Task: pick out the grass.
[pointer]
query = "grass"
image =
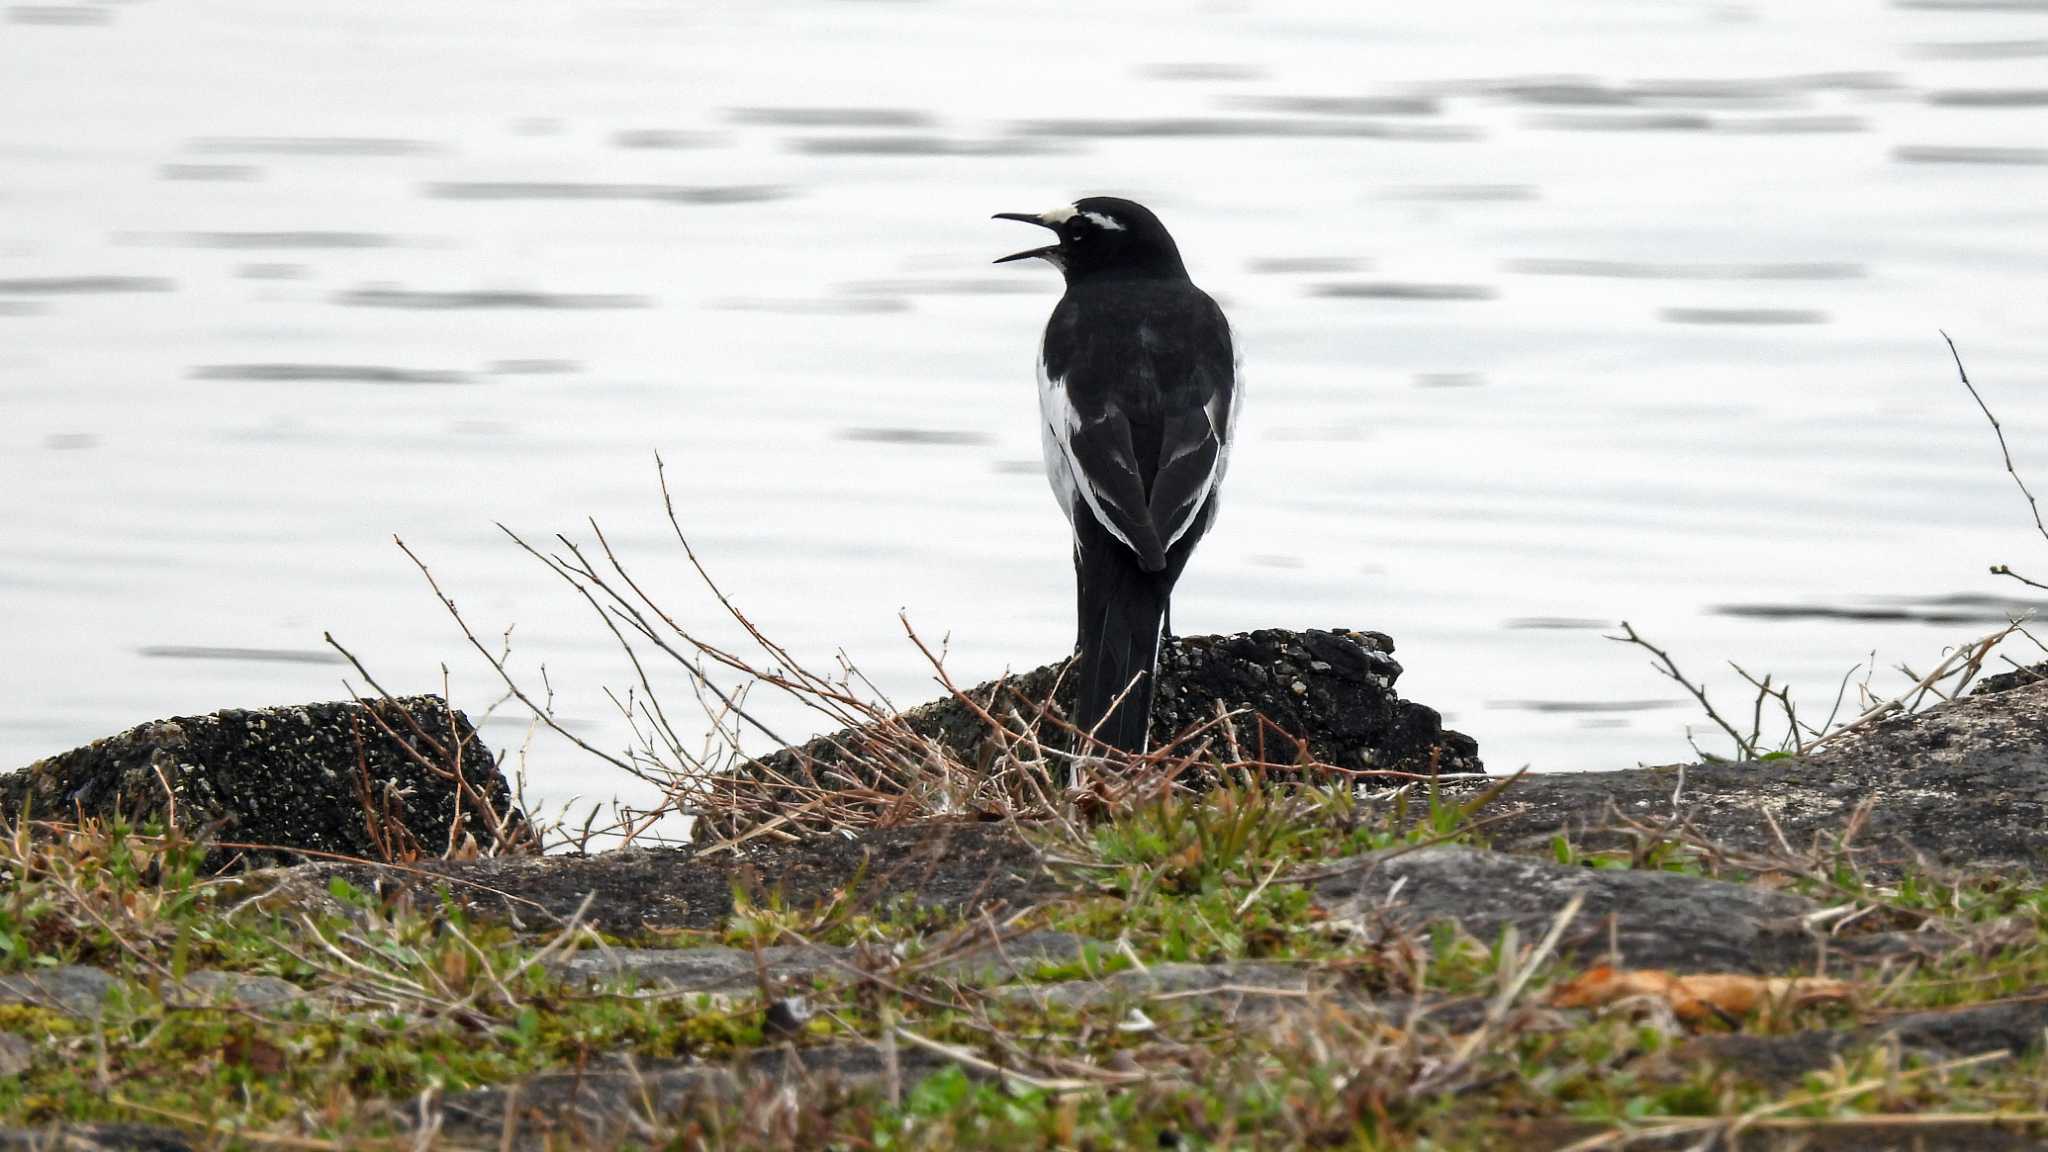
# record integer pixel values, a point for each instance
(406, 999)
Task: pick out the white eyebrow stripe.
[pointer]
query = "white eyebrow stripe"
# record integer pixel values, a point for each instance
(1104, 221)
(1059, 215)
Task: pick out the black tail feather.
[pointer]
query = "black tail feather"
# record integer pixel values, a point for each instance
(1122, 609)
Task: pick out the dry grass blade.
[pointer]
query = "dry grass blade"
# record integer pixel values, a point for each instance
(995, 752)
(1950, 676)
(969, 1059)
(1511, 988)
(1962, 664)
(1768, 1115)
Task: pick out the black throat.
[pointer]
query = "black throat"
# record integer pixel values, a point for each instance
(1156, 260)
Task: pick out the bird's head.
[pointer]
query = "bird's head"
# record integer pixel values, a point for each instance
(1102, 236)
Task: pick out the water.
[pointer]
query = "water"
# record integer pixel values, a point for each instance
(1554, 315)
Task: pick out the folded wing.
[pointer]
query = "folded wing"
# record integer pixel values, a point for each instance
(1137, 427)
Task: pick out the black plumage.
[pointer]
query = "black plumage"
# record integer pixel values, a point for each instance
(1137, 393)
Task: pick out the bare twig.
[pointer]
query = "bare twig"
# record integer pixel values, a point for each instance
(1669, 670)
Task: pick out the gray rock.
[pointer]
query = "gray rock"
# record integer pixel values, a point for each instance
(961, 867)
(70, 988)
(2016, 678)
(976, 958)
(1327, 693)
(238, 989)
(711, 969)
(82, 989)
(95, 1138)
(16, 1054)
(734, 970)
(1658, 919)
(1963, 784)
(315, 776)
(1989, 1134)
(1941, 1034)
(1203, 987)
(608, 1107)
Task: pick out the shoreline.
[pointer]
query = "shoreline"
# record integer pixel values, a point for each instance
(1544, 961)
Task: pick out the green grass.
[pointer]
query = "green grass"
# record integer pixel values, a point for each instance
(406, 996)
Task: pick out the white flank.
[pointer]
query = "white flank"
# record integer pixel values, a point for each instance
(1054, 418)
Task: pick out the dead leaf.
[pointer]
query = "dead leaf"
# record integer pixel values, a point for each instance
(260, 1056)
(1699, 997)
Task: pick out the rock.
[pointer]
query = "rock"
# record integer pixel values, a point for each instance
(614, 1107)
(96, 1138)
(959, 867)
(322, 777)
(1328, 694)
(2015, 1026)
(1658, 919)
(973, 957)
(1941, 1034)
(82, 989)
(69, 987)
(1989, 1132)
(1225, 988)
(16, 1054)
(730, 970)
(715, 969)
(236, 990)
(1965, 785)
(2017, 678)
(1962, 784)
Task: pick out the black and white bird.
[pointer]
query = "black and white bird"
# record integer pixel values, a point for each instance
(1138, 390)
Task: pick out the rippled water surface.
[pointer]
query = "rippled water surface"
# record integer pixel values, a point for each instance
(1554, 315)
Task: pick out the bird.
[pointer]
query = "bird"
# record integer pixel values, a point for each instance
(1138, 389)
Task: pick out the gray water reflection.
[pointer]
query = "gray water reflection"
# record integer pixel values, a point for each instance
(1745, 315)
(57, 15)
(1553, 315)
(247, 655)
(329, 374)
(1982, 49)
(567, 190)
(486, 298)
(1968, 154)
(1390, 290)
(82, 285)
(290, 240)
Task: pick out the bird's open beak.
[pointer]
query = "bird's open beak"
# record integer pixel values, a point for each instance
(1028, 218)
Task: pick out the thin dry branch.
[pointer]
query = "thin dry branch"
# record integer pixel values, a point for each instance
(1667, 668)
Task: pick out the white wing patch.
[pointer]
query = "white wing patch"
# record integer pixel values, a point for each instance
(1205, 508)
(1056, 432)
(1229, 429)
(1215, 480)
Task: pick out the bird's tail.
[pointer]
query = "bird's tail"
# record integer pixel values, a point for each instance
(1122, 607)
